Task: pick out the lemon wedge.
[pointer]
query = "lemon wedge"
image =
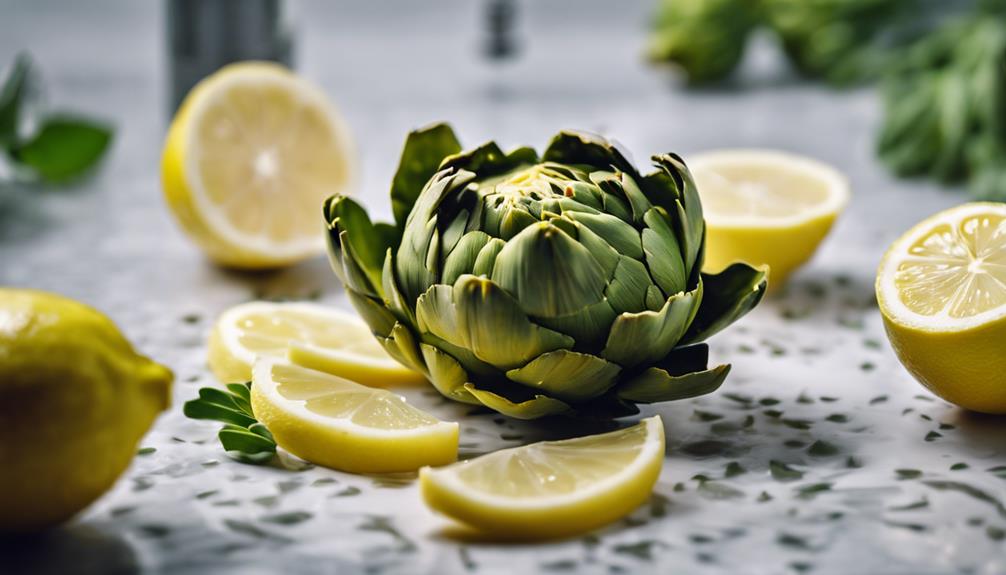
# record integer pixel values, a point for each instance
(343, 425)
(552, 488)
(248, 160)
(941, 288)
(765, 207)
(312, 335)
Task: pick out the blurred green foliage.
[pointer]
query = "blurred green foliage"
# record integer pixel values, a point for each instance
(942, 66)
(54, 148)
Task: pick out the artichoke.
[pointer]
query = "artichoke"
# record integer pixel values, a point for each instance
(565, 283)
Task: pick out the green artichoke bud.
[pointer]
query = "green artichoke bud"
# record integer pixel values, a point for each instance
(541, 285)
(706, 38)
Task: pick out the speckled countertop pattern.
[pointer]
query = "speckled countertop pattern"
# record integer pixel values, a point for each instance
(819, 455)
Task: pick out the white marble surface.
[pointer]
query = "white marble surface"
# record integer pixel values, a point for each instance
(818, 350)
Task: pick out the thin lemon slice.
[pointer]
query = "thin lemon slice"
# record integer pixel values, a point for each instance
(248, 160)
(942, 291)
(552, 488)
(343, 425)
(313, 335)
(766, 208)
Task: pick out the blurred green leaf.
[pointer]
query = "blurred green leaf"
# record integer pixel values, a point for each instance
(11, 96)
(65, 147)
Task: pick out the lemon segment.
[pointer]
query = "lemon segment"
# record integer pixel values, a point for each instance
(553, 488)
(765, 207)
(249, 158)
(343, 425)
(941, 288)
(316, 336)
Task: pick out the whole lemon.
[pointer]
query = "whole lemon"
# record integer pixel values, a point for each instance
(75, 399)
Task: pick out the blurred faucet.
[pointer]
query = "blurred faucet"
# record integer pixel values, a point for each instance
(207, 34)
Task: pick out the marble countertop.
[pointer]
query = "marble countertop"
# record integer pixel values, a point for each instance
(819, 454)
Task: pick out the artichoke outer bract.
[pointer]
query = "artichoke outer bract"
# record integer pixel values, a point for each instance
(537, 285)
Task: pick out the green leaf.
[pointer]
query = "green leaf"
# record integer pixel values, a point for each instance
(359, 246)
(235, 438)
(567, 375)
(656, 384)
(447, 375)
(204, 409)
(574, 278)
(424, 150)
(538, 406)
(64, 148)
(648, 336)
(728, 296)
(11, 99)
(477, 315)
(242, 435)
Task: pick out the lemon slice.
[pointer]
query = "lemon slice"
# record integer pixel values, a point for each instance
(552, 488)
(343, 425)
(312, 335)
(941, 288)
(248, 160)
(766, 208)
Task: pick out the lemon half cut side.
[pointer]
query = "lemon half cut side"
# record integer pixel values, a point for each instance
(941, 289)
(250, 156)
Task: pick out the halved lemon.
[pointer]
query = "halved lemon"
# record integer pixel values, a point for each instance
(249, 158)
(552, 488)
(766, 207)
(312, 335)
(343, 425)
(942, 291)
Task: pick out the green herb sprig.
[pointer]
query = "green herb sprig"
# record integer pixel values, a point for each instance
(60, 148)
(242, 436)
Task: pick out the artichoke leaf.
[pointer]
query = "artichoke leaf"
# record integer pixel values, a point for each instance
(648, 336)
(537, 406)
(392, 295)
(602, 251)
(548, 272)
(567, 375)
(655, 384)
(418, 247)
(618, 234)
(690, 225)
(378, 317)
(462, 258)
(663, 252)
(572, 147)
(447, 375)
(729, 295)
(478, 315)
(489, 160)
(486, 260)
(424, 150)
(626, 292)
(403, 346)
(358, 244)
(588, 327)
